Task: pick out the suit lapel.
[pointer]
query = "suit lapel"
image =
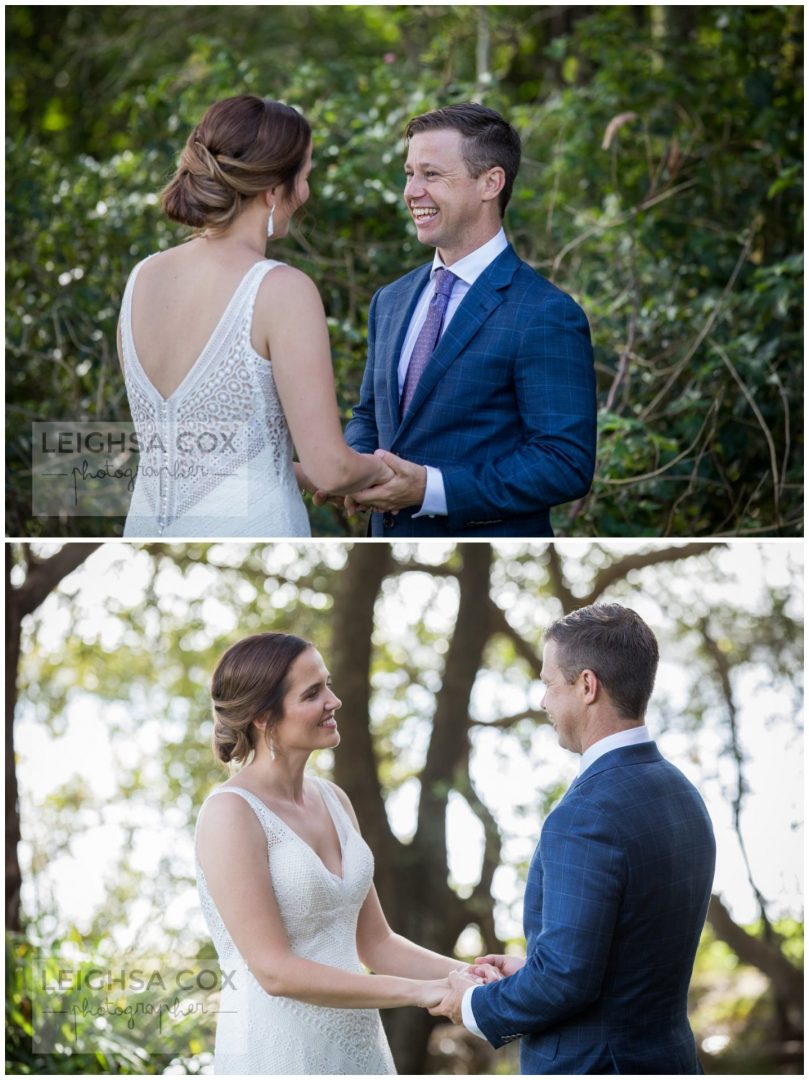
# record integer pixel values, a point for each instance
(483, 298)
(392, 348)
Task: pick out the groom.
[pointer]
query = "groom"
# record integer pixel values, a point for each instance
(619, 885)
(479, 383)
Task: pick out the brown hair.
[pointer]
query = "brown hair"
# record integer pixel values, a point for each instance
(242, 147)
(615, 643)
(488, 140)
(250, 683)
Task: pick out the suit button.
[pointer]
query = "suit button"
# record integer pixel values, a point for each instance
(389, 521)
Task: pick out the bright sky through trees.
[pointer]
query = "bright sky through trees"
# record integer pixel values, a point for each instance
(507, 775)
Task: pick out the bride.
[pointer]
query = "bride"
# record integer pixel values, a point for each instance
(224, 352)
(286, 882)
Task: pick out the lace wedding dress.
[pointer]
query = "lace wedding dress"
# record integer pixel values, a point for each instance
(216, 455)
(259, 1033)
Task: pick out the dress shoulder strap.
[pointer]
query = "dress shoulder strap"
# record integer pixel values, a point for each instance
(127, 337)
(264, 815)
(335, 805)
(252, 283)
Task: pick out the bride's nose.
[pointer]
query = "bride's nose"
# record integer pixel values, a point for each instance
(337, 703)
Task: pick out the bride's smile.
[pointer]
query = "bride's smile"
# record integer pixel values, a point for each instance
(309, 704)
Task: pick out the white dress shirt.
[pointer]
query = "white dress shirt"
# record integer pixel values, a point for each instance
(630, 737)
(467, 270)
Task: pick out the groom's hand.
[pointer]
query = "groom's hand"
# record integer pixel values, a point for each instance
(485, 972)
(459, 983)
(405, 488)
(505, 965)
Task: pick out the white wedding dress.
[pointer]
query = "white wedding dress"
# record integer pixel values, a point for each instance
(257, 1033)
(216, 455)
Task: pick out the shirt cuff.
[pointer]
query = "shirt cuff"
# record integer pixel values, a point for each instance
(467, 1015)
(435, 498)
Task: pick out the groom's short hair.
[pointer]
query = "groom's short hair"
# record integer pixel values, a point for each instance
(488, 140)
(614, 642)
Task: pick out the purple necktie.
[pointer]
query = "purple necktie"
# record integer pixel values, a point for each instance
(428, 335)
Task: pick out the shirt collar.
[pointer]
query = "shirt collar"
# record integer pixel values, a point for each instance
(630, 737)
(471, 266)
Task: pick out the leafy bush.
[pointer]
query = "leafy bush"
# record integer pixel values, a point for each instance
(661, 188)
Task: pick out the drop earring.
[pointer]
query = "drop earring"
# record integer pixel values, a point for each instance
(269, 222)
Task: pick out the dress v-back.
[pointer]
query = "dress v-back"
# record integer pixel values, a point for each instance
(258, 1033)
(216, 454)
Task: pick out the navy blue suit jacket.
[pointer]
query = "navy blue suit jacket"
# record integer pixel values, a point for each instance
(506, 408)
(615, 901)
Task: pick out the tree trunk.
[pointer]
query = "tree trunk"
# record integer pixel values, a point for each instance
(433, 914)
(42, 577)
(355, 767)
(411, 879)
(787, 979)
(13, 875)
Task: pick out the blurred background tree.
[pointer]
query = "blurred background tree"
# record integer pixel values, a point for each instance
(450, 763)
(661, 186)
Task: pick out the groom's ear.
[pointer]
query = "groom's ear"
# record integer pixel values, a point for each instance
(494, 182)
(590, 685)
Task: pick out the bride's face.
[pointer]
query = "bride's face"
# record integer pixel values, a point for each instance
(308, 721)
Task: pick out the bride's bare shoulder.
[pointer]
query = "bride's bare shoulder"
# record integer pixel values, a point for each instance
(288, 297)
(218, 815)
(284, 282)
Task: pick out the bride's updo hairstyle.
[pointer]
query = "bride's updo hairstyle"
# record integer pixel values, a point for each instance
(242, 147)
(250, 683)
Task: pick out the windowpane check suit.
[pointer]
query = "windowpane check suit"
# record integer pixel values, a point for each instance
(505, 408)
(615, 902)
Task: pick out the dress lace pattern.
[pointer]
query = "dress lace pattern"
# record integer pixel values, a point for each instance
(216, 455)
(258, 1033)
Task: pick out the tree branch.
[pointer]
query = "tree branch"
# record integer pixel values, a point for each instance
(43, 575)
(619, 569)
(505, 722)
(478, 907)
(560, 586)
(722, 666)
(765, 956)
(500, 625)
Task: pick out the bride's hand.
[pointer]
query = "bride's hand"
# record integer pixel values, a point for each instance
(384, 474)
(431, 992)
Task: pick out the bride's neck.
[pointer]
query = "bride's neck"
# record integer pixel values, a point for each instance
(281, 776)
(247, 231)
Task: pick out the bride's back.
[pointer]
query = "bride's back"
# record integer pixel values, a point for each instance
(201, 321)
(245, 155)
(178, 301)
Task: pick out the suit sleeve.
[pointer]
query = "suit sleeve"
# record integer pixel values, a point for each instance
(583, 869)
(361, 432)
(554, 385)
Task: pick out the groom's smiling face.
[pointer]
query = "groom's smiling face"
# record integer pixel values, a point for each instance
(453, 211)
(561, 701)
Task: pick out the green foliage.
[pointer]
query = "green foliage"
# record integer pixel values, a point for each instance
(733, 1004)
(113, 1054)
(72, 969)
(681, 239)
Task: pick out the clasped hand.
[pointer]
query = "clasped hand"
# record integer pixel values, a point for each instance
(458, 982)
(405, 487)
